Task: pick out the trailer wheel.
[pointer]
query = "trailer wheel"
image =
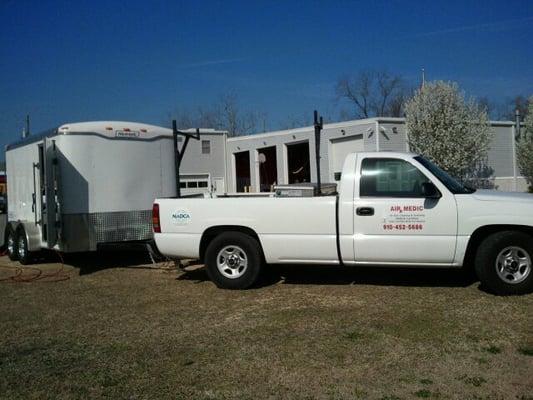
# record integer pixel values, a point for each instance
(234, 260)
(24, 255)
(11, 245)
(504, 263)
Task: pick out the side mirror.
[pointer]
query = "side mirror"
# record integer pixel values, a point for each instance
(430, 191)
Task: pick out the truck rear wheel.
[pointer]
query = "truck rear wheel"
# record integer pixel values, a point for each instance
(24, 255)
(504, 263)
(234, 260)
(11, 245)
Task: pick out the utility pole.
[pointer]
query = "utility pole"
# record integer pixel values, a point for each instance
(318, 123)
(517, 121)
(26, 127)
(423, 77)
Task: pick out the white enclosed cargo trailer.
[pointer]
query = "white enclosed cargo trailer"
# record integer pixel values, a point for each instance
(80, 185)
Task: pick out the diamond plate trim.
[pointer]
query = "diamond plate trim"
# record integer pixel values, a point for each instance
(121, 226)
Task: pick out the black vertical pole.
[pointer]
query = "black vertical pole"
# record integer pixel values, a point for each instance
(318, 128)
(178, 154)
(176, 157)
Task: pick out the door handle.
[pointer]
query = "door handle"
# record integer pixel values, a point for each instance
(365, 211)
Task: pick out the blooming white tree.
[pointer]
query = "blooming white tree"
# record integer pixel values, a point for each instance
(449, 130)
(524, 147)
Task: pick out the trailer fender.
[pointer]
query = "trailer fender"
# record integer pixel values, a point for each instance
(32, 232)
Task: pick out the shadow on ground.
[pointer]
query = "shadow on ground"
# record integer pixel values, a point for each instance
(92, 262)
(332, 275)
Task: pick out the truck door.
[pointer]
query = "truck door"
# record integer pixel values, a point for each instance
(49, 193)
(394, 222)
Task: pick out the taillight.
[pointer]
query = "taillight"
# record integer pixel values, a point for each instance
(155, 218)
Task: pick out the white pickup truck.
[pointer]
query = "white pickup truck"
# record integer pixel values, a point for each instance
(393, 209)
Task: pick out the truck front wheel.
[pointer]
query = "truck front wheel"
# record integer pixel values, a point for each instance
(234, 260)
(504, 263)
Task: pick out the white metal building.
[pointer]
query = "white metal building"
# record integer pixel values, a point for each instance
(256, 162)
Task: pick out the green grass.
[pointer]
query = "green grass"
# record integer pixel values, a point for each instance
(120, 332)
(493, 350)
(355, 336)
(526, 351)
(423, 394)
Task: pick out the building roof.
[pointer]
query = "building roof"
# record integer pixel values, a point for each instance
(343, 124)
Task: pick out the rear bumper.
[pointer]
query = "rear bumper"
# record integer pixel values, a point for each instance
(179, 245)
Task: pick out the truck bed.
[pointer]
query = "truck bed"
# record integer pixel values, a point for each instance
(297, 229)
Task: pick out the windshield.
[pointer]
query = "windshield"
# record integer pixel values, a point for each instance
(447, 180)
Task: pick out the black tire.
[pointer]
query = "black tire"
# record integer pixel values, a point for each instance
(240, 242)
(486, 263)
(24, 255)
(11, 245)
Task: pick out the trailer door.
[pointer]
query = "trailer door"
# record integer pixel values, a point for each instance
(50, 198)
(38, 181)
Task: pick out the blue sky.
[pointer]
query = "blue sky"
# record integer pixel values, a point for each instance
(67, 61)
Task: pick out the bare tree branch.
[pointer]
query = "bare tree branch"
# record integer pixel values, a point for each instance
(224, 114)
(372, 93)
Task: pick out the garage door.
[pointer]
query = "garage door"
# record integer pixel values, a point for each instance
(194, 184)
(340, 148)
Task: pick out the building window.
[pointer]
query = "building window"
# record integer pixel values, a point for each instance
(206, 147)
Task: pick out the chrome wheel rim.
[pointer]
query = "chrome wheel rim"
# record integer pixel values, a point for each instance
(232, 262)
(10, 244)
(21, 248)
(513, 265)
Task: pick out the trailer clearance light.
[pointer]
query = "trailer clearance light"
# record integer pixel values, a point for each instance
(155, 218)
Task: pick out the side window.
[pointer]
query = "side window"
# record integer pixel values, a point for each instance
(390, 177)
(206, 147)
